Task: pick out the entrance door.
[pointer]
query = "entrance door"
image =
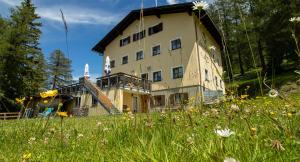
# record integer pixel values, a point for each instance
(135, 104)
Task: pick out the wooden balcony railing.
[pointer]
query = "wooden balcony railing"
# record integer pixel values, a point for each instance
(122, 80)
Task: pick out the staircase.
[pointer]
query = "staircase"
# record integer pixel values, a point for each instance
(100, 96)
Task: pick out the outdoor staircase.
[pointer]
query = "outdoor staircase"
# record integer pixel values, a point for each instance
(100, 96)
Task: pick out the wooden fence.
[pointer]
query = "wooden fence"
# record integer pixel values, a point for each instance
(10, 115)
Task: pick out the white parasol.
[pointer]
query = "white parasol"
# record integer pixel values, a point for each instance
(86, 71)
(107, 68)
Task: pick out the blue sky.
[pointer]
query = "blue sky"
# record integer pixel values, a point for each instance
(88, 22)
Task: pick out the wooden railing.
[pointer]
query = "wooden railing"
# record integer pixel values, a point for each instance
(70, 88)
(125, 81)
(10, 115)
(101, 97)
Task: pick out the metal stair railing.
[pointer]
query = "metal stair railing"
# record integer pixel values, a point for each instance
(101, 97)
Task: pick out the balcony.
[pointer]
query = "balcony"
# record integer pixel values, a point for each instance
(125, 81)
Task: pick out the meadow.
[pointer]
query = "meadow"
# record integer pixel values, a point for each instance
(260, 129)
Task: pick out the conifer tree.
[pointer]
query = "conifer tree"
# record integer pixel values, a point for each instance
(23, 60)
(60, 72)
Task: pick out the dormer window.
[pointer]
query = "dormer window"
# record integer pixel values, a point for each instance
(138, 36)
(155, 29)
(125, 41)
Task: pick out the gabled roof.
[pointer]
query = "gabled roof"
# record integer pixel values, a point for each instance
(168, 9)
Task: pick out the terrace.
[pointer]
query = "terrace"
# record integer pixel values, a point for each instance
(125, 81)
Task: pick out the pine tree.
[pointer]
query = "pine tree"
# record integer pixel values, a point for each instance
(23, 60)
(59, 69)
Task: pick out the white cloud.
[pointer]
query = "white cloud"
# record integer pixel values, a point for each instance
(11, 2)
(73, 14)
(171, 1)
(78, 15)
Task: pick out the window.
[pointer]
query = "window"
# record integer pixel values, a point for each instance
(177, 72)
(155, 29)
(112, 63)
(175, 44)
(157, 76)
(125, 60)
(221, 83)
(206, 75)
(156, 50)
(139, 55)
(138, 36)
(158, 100)
(144, 76)
(216, 78)
(125, 41)
(94, 101)
(178, 98)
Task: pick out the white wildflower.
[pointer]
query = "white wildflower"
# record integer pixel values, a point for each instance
(190, 140)
(273, 93)
(224, 133)
(104, 142)
(105, 129)
(31, 140)
(46, 140)
(235, 108)
(200, 5)
(295, 19)
(212, 48)
(80, 135)
(230, 159)
(99, 124)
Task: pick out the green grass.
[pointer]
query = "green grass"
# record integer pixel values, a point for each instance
(250, 79)
(180, 136)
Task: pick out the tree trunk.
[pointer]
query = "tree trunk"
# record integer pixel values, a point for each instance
(261, 56)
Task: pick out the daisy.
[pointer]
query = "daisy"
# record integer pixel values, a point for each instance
(199, 5)
(295, 19)
(212, 48)
(230, 159)
(235, 108)
(224, 133)
(273, 93)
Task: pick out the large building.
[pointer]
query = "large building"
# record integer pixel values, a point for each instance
(161, 57)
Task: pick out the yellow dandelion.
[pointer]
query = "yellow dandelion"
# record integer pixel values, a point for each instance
(244, 96)
(20, 100)
(27, 156)
(62, 114)
(289, 115)
(253, 131)
(50, 93)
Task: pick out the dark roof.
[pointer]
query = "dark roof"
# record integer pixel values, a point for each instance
(135, 14)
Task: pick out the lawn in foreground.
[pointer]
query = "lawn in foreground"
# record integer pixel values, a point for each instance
(265, 129)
